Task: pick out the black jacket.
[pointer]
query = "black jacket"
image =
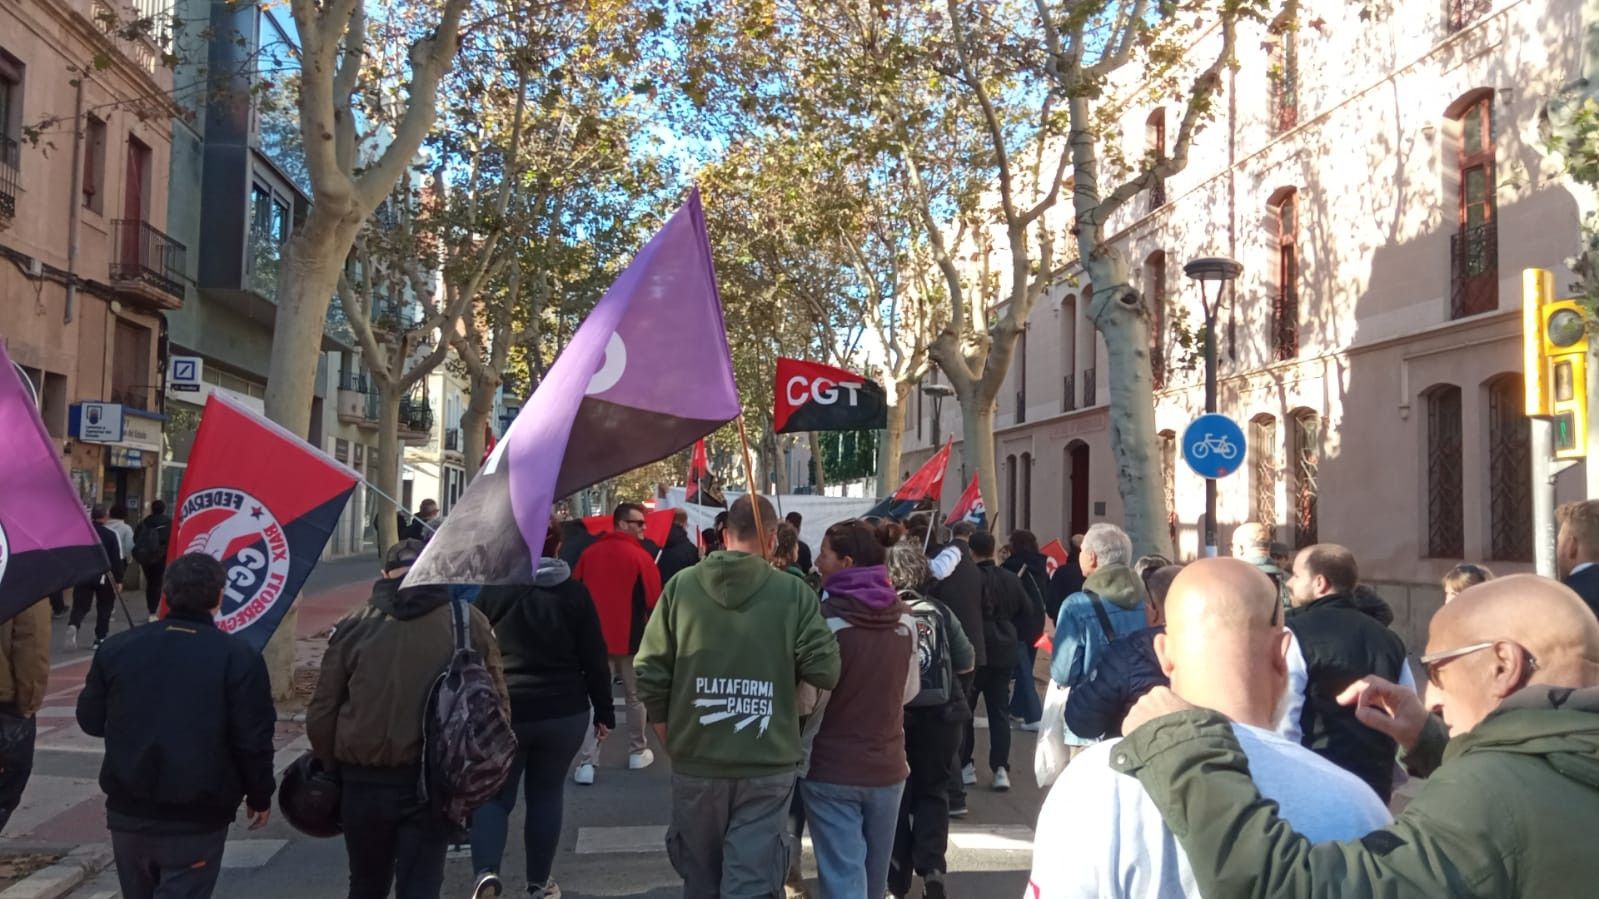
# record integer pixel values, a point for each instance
(1033, 569)
(551, 646)
(804, 560)
(1586, 585)
(1066, 580)
(962, 592)
(113, 552)
(1127, 669)
(680, 553)
(1004, 601)
(574, 539)
(1341, 644)
(187, 716)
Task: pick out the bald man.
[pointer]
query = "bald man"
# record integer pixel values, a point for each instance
(1099, 835)
(1512, 746)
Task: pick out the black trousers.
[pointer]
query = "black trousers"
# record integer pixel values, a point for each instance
(961, 753)
(154, 576)
(393, 838)
(993, 686)
(104, 597)
(17, 735)
(58, 602)
(923, 834)
(168, 866)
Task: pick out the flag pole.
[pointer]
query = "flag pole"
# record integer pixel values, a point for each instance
(749, 477)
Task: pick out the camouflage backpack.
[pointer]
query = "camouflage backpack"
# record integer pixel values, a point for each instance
(467, 743)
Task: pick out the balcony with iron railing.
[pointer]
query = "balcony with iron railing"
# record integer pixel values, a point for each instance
(1089, 393)
(147, 265)
(1460, 13)
(452, 440)
(1474, 269)
(416, 420)
(358, 402)
(10, 178)
(1021, 406)
(1068, 394)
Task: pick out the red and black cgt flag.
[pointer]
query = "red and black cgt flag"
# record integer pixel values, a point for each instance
(701, 486)
(815, 397)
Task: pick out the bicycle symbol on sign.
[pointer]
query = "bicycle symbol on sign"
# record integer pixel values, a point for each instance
(1214, 443)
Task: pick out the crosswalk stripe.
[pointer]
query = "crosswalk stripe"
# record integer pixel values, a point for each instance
(48, 796)
(652, 838)
(250, 853)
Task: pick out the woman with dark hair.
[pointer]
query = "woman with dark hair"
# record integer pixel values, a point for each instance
(857, 767)
(1030, 565)
(558, 675)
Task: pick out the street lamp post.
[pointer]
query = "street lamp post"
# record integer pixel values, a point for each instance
(1223, 271)
(937, 392)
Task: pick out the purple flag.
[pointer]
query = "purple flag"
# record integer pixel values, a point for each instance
(647, 374)
(46, 540)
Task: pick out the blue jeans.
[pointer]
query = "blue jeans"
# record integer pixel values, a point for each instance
(852, 831)
(544, 751)
(1024, 701)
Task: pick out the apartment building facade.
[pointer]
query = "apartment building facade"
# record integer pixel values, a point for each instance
(1383, 185)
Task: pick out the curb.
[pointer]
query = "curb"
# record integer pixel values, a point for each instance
(65, 875)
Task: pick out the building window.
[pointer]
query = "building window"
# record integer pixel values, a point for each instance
(1474, 250)
(1155, 293)
(1263, 470)
(94, 133)
(1282, 73)
(1446, 533)
(1021, 376)
(269, 231)
(131, 384)
(1509, 472)
(1304, 454)
(1027, 490)
(1155, 151)
(1168, 480)
(1010, 493)
(1068, 354)
(1285, 302)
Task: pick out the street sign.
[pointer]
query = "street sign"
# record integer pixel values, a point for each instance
(185, 374)
(96, 422)
(1213, 445)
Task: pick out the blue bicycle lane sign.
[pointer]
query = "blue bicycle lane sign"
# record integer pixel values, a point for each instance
(1213, 446)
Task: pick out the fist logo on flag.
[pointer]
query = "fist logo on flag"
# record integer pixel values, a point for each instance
(240, 532)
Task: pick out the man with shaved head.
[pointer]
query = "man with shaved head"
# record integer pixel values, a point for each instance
(1511, 751)
(1099, 835)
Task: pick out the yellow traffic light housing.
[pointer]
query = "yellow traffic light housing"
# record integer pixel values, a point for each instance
(1555, 347)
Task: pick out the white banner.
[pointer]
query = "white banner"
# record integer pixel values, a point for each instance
(819, 512)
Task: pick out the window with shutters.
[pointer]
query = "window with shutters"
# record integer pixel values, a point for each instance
(1509, 472)
(1285, 301)
(1474, 249)
(1304, 455)
(1263, 470)
(1446, 535)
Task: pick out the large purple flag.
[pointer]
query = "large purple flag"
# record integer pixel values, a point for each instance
(646, 375)
(46, 540)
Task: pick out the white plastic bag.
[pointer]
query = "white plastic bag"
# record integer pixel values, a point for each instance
(1049, 756)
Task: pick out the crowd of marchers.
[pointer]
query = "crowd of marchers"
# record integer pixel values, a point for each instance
(1230, 727)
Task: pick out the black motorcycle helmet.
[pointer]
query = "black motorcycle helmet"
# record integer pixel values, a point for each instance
(309, 798)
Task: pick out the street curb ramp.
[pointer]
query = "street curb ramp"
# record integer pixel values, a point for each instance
(64, 876)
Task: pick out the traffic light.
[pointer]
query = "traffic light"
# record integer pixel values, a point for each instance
(1555, 347)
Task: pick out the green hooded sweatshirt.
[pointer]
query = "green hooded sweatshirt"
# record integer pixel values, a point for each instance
(1509, 811)
(722, 655)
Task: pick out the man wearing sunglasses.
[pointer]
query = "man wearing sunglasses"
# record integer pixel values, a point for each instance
(1511, 749)
(624, 583)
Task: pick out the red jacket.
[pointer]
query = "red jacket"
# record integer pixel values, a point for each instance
(625, 584)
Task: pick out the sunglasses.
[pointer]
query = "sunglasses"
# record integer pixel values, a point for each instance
(1434, 661)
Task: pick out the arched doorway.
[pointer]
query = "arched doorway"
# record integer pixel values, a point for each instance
(1076, 498)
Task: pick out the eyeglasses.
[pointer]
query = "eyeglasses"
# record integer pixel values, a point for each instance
(1435, 661)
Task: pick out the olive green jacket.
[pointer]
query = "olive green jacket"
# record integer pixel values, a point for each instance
(1510, 810)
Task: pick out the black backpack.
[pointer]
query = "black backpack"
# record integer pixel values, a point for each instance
(932, 653)
(150, 544)
(468, 746)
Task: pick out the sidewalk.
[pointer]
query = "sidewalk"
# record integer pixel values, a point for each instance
(63, 806)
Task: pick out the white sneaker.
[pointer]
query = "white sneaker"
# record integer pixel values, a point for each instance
(1001, 780)
(72, 636)
(584, 775)
(969, 774)
(550, 890)
(639, 760)
(1031, 726)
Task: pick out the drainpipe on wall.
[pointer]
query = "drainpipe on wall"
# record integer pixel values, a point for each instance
(74, 202)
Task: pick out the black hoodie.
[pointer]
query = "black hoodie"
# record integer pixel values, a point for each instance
(680, 553)
(552, 647)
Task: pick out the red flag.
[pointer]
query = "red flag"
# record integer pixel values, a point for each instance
(264, 503)
(657, 525)
(810, 396)
(488, 444)
(926, 485)
(1054, 555)
(700, 489)
(970, 506)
